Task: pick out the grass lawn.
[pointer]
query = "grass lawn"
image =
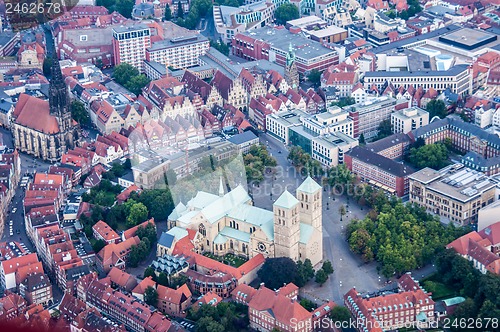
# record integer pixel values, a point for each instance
(439, 290)
(228, 259)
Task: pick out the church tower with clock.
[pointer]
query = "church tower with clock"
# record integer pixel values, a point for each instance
(291, 72)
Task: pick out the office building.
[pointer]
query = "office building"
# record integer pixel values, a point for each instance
(379, 171)
(368, 115)
(455, 192)
(457, 78)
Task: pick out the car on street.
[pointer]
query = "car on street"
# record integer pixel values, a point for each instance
(11, 223)
(14, 210)
(18, 231)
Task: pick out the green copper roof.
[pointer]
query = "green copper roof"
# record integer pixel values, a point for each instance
(309, 186)
(286, 200)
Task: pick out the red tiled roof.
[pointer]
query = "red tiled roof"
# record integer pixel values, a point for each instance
(122, 279)
(12, 265)
(461, 245)
(34, 113)
(210, 298)
(105, 231)
(131, 231)
(124, 195)
(492, 232)
(145, 283)
(110, 254)
(283, 309)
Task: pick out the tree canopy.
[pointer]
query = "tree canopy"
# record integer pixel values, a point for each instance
(128, 76)
(79, 113)
(436, 108)
(400, 237)
(278, 271)
(220, 46)
(304, 163)
(384, 129)
(286, 12)
(226, 316)
(431, 155)
(256, 161)
(314, 76)
(197, 10)
(168, 13)
(340, 314)
(151, 296)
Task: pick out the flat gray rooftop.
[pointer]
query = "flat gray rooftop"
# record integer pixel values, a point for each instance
(467, 36)
(281, 39)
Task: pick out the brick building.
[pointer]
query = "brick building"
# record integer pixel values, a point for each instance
(392, 311)
(379, 171)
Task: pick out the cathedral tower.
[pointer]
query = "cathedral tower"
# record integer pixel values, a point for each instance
(59, 108)
(309, 195)
(286, 226)
(291, 72)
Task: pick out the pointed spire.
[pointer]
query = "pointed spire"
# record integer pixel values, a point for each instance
(221, 187)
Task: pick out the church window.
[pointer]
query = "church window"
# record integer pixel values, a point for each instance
(202, 230)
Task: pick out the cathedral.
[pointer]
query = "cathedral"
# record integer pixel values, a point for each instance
(291, 72)
(43, 128)
(229, 223)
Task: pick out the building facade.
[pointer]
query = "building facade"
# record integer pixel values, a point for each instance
(455, 192)
(408, 119)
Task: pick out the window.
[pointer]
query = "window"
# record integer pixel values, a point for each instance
(83, 38)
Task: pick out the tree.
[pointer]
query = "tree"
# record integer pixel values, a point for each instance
(327, 267)
(275, 272)
(286, 12)
(125, 7)
(308, 304)
(149, 272)
(321, 277)
(151, 296)
(340, 314)
(305, 272)
(47, 65)
(123, 72)
(136, 83)
(163, 279)
(220, 46)
(362, 139)
(342, 210)
(138, 213)
(384, 129)
(148, 232)
(168, 13)
(98, 245)
(180, 11)
(79, 113)
(436, 108)
(314, 76)
(431, 155)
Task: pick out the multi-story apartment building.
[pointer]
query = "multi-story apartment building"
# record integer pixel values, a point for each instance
(125, 309)
(36, 288)
(464, 136)
(411, 304)
(273, 44)
(180, 47)
(457, 78)
(130, 43)
(231, 20)
(333, 120)
(406, 120)
(9, 268)
(86, 45)
(454, 192)
(379, 171)
(368, 115)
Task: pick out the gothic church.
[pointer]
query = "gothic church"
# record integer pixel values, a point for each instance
(43, 128)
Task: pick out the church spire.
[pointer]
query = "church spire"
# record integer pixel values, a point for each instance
(58, 96)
